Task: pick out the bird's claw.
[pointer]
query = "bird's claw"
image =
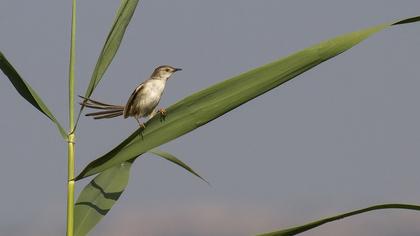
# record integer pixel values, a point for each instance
(162, 111)
(141, 125)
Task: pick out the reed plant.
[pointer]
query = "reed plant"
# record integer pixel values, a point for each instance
(111, 171)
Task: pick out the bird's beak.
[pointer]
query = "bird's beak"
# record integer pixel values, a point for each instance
(177, 69)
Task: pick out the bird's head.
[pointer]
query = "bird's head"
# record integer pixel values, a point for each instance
(164, 72)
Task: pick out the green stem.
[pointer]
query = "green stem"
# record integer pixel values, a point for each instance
(70, 186)
(71, 137)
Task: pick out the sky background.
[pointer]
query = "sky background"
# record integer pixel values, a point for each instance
(342, 136)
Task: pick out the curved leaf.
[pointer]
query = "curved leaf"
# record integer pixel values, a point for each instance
(173, 159)
(306, 227)
(208, 104)
(100, 195)
(23, 88)
(112, 43)
(97, 198)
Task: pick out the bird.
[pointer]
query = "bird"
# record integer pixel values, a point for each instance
(142, 101)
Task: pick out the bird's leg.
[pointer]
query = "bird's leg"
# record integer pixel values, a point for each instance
(142, 125)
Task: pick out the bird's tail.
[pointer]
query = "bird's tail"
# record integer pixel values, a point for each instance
(108, 110)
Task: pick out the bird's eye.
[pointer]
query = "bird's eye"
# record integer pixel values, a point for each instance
(168, 70)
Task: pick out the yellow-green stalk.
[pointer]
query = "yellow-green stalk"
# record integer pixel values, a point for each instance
(71, 136)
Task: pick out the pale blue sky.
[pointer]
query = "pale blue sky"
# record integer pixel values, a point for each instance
(342, 136)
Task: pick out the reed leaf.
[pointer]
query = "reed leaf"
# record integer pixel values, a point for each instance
(208, 104)
(110, 48)
(112, 42)
(169, 157)
(306, 227)
(29, 94)
(97, 198)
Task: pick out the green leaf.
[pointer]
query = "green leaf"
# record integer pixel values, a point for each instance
(112, 43)
(176, 161)
(306, 227)
(23, 88)
(208, 104)
(97, 198)
(100, 195)
(110, 48)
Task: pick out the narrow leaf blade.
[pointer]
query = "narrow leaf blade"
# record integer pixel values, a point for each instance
(208, 104)
(176, 161)
(23, 88)
(112, 43)
(99, 196)
(111, 46)
(306, 227)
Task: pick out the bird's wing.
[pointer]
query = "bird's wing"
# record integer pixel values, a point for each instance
(127, 107)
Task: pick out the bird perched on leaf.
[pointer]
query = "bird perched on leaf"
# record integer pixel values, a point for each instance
(142, 102)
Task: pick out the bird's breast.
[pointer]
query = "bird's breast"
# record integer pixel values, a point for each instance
(153, 88)
(149, 97)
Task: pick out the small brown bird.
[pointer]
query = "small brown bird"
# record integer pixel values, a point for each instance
(142, 102)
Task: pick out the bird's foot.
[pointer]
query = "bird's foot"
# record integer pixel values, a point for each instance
(142, 125)
(163, 114)
(162, 111)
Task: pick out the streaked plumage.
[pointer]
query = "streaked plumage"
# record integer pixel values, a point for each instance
(142, 102)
